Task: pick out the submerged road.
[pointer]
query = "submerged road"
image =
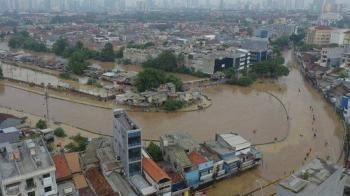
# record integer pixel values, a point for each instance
(250, 112)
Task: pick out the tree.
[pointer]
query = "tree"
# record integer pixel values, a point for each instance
(59, 46)
(166, 61)
(59, 132)
(107, 53)
(41, 124)
(77, 62)
(149, 79)
(154, 151)
(79, 143)
(1, 74)
(172, 105)
(175, 80)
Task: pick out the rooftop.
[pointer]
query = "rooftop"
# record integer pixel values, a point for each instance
(142, 185)
(310, 176)
(180, 156)
(234, 141)
(121, 116)
(196, 158)
(80, 181)
(183, 140)
(24, 157)
(73, 162)
(153, 170)
(99, 182)
(62, 168)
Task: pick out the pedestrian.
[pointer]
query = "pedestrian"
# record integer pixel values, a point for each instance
(314, 135)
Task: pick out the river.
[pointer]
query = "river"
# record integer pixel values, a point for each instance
(234, 109)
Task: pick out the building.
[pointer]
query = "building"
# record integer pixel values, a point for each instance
(212, 62)
(257, 47)
(237, 153)
(156, 176)
(10, 135)
(204, 166)
(320, 35)
(334, 57)
(27, 169)
(139, 56)
(340, 37)
(127, 143)
(314, 179)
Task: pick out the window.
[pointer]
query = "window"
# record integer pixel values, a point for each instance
(30, 183)
(31, 193)
(46, 175)
(48, 189)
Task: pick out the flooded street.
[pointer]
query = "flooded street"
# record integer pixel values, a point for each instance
(235, 109)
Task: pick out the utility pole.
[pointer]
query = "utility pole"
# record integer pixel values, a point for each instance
(46, 97)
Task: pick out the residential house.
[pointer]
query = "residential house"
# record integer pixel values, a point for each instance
(156, 176)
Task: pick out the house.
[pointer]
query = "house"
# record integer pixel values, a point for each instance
(73, 162)
(204, 166)
(156, 176)
(63, 171)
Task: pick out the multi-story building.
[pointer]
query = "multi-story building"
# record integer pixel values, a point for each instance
(334, 57)
(127, 143)
(139, 55)
(257, 47)
(212, 62)
(27, 168)
(340, 37)
(315, 179)
(320, 35)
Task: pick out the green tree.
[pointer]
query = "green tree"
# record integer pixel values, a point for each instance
(175, 80)
(59, 132)
(172, 105)
(79, 143)
(149, 79)
(166, 61)
(77, 62)
(154, 151)
(107, 53)
(41, 124)
(60, 46)
(1, 74)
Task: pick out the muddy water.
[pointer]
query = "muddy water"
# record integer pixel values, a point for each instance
(241, 110)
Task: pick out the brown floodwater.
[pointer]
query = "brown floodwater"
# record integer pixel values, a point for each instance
(234, 109)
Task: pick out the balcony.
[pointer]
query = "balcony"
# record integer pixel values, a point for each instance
(30, 186)
(13, 190)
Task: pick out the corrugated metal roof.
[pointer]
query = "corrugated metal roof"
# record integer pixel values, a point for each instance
(235, 141)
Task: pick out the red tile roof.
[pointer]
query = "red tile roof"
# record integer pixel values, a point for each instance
(99, 183)
(73, 162)
(196, 158)
(153, 170)
(62, 170)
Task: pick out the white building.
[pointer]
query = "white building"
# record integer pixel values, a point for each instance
(340, 37)
(318, 178)
(27, 168)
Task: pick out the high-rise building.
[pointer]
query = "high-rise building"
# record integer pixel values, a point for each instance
(127, 143)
